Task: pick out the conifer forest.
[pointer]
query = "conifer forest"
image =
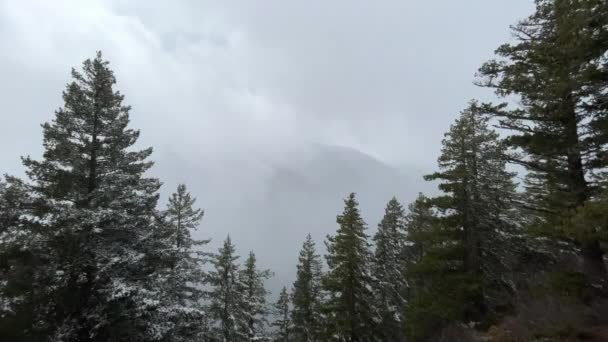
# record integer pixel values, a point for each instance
(509, 246)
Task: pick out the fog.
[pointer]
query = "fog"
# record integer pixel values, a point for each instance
(270, 111)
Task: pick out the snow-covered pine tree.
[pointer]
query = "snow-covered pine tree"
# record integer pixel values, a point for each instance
(14, 200)
(254, 298)
(388, 270)
(24, 267)
(97, 208)
(226, 296)
(205, 330)
(182, 218)
(348, 281)
(180, 277)
(306, 295)
(282, 324)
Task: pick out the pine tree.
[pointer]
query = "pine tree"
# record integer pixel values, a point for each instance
(14, 198)
(182, 217)
(348, 280)
(87, 161)
(254, 298)
(423, 233)
(419, 221)
(388, 270)
(557, 68)
(283, 323)
(205, 331)
(227, 296)
(306, 314)
(181, 277)
(96, 210)
(24, 267)
(464, 246)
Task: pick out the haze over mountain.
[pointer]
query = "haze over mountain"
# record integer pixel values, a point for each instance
(273, 200)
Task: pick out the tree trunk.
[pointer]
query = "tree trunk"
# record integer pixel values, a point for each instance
(593, 262)
(593, 255)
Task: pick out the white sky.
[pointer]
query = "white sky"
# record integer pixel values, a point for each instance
(223, 77)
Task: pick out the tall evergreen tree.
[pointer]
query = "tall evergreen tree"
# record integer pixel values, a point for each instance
(283, 322)
(423, 233)
(420, 225)
(226, 296)
(465, 246)
(348, 280)
(557, 68)
(96, 208)
(87, 162)
(180, 279)
(306, 294)
(254, 298)
(388, 270)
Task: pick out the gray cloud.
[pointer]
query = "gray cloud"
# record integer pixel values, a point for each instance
(380, 76)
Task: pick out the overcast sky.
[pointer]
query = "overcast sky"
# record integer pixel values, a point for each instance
(224, 77)
(220, 88)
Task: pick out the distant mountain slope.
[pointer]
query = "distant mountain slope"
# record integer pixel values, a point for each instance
(269, 203)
